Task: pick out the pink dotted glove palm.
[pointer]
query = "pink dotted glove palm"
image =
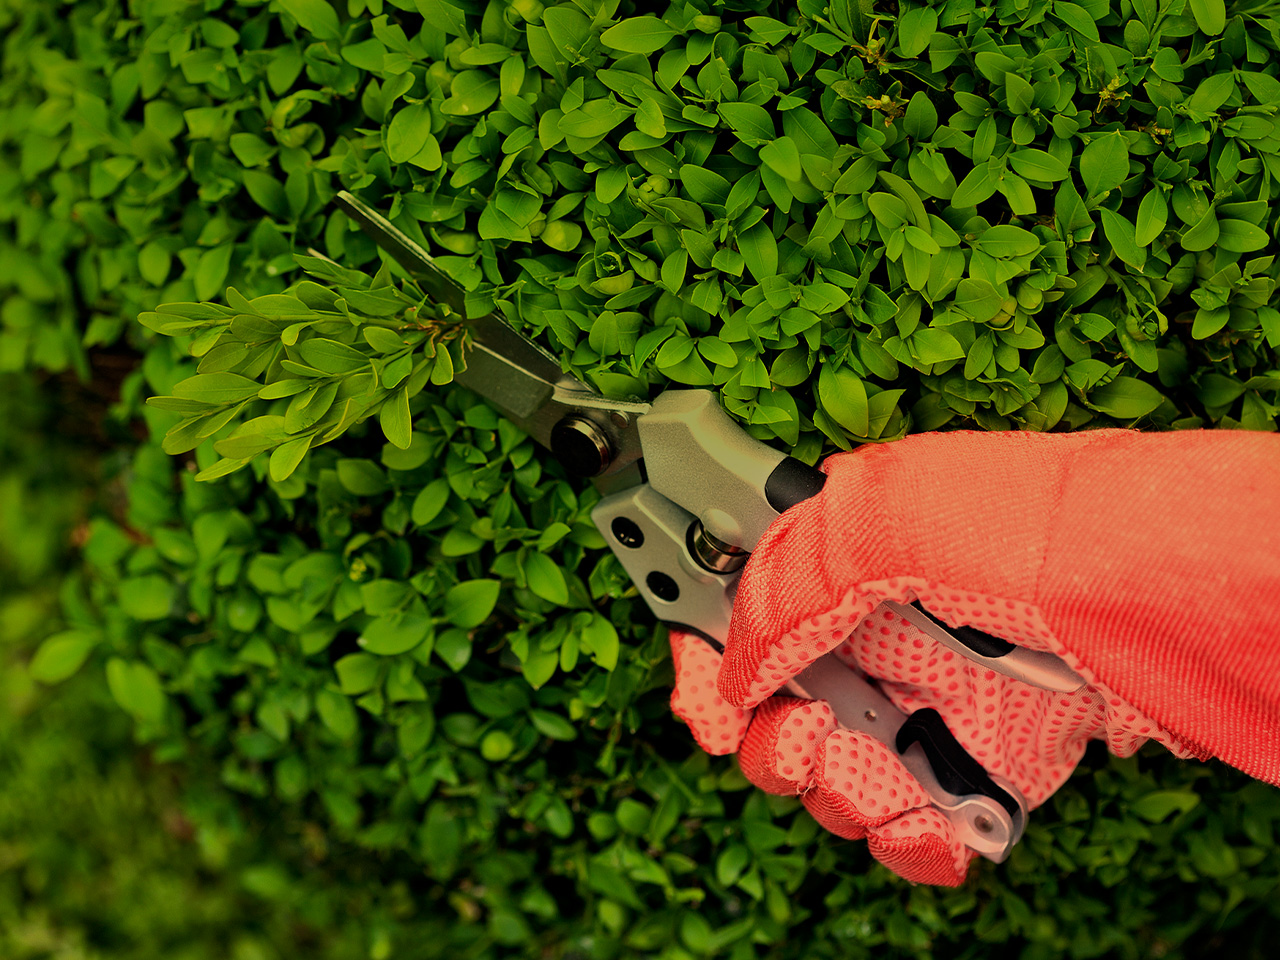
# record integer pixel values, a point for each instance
(1130, 556)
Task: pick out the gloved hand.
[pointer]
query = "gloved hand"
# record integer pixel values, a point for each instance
(1149, 562)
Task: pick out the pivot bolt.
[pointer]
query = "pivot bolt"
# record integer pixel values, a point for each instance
(581, 447)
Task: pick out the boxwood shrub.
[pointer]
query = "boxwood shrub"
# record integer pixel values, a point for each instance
(380, 616)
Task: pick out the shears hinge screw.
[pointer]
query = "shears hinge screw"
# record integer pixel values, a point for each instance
(712, 553)
(581, 447)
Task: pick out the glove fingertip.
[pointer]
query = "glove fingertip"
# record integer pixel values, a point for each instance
(780, 751)
(921, 847)
(717, 726)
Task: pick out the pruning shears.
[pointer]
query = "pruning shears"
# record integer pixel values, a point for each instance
(686, 496)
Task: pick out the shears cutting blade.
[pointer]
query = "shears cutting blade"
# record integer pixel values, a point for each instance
(592, 435)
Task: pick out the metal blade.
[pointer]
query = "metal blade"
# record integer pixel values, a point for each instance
(512, 373)
(437, 284)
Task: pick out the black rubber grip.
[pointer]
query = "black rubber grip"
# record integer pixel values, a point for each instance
(957, 772)
(983, 644)
(791, 482)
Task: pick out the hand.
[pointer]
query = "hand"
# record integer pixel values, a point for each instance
(1013, 535)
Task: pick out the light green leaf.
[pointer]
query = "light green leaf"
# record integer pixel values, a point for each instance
(1126, 398)
(395, 633)
(1239, 236)
(1104, 164)
(934, 345)
(978, 185)
(978, 298)
(217, 388)
(750, 121)
(408, 132)
(136, 687)
(469, 604)
(211, 271)
(1007, 241)
(430, 501)
(546, 579)
(1038, 165)
(61, 655)
(844, 398)
(364, 478)
(1211, 16)
(1203, 234)
(783, 157)
(395, 419)
(759, 251)
(1153, 216)
(638, 35)
(286, 457)
(315, 16)
(1120, 234)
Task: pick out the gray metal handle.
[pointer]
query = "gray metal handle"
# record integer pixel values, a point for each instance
(696, 455)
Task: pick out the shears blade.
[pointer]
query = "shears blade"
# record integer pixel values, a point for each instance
(520, 379)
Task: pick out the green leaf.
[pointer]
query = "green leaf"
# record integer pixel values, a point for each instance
(1211, 16)
(1077, 18)
(337, 714)
(1126, 398)
(1203, 234)
(1006, 241)
(1120, 233)
(553, 725)
(1208, 322)
(409, 132)
(1019, 92)
(395, 419)
(750, 121)
(331, 356)
(978, 298)
(211, 271)
(250, 149)
(469, 604)
(1239, 236)
(600, 641)
(471, 93)
(935, 345)
(217, 388)
(1038, 165)
(364, 478)
(395, 633)
(1104, 164)
(430, 501)
(315, 16)
(546, 579)
(286, 457)
(357, 673)
(921, 119)
(61, 655)
(148, 597)
(1153, 216)
(759, 251)
(638, 35)
(844, 398)
(268, 193)
(783, 157)
(136, 687)
(978, 186)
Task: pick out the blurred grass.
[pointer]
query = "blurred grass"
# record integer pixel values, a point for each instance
(104, 854)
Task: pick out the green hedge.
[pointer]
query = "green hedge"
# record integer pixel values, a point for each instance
(403, 639)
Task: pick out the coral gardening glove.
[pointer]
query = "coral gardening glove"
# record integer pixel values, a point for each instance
(1149, 562)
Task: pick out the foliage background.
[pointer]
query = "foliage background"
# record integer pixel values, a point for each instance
(400, 702)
